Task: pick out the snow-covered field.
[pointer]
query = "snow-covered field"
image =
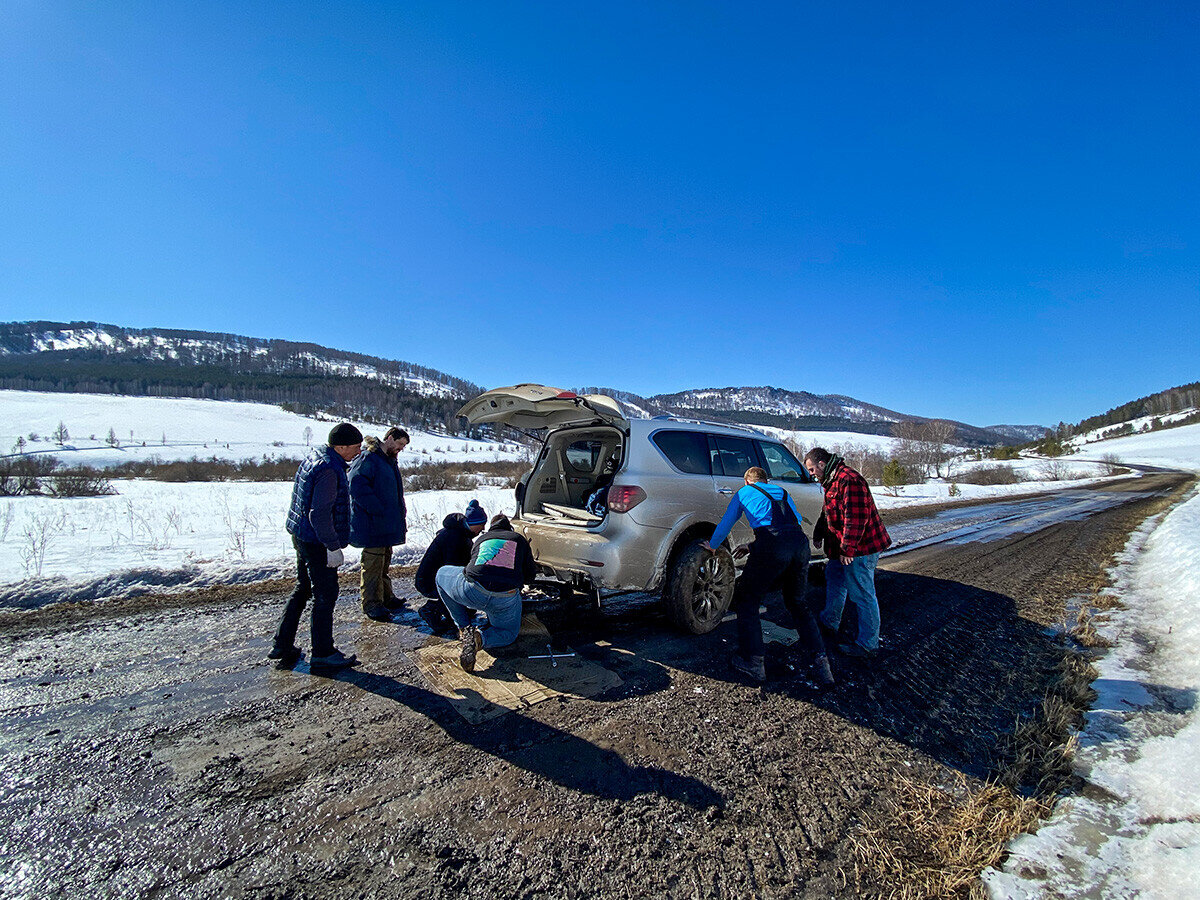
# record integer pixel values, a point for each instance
(156, 535)
(1174, 448)
(178, 429)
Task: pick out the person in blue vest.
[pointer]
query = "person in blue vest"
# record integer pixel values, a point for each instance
(319, 523)
(778, 556)
(378, 519)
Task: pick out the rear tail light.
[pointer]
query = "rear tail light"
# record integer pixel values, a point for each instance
(624, 498)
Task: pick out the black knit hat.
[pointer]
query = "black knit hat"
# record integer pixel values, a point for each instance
(344, 435)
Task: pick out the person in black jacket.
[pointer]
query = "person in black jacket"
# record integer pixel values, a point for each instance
(451, 546)
(378, 519)
(501, 563)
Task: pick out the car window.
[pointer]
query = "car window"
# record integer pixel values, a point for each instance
(733, 456)
(582, 456)
(781, 465)
(687, 450)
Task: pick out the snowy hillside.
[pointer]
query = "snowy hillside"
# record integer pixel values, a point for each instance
(1176, 448)
(179, 429)
(94, 341)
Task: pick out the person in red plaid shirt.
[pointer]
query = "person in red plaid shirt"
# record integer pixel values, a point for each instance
(854, 536)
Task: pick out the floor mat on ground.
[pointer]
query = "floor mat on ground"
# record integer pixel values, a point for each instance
(511, 680)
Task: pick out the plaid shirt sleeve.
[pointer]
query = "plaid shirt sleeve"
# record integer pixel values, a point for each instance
(852, 515)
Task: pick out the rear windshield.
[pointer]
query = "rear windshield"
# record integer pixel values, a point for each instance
(687, 450)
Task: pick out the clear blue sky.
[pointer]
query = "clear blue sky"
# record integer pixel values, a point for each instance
(988, 212)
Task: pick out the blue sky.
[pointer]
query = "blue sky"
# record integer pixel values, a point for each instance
(987, 212)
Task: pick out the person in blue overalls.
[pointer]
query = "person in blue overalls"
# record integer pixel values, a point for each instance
(778, 556)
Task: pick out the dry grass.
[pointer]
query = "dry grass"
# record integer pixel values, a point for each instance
(933, 842)
(936, 842)
(1085, 632)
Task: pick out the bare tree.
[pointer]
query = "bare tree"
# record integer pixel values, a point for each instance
(925, 444)
(308, 435)
(61, 435)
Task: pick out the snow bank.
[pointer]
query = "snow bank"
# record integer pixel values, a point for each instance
(1135, 831)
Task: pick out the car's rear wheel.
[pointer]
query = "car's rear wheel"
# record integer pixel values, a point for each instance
(699, 588)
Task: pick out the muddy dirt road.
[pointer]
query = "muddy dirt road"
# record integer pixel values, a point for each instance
(149, 750)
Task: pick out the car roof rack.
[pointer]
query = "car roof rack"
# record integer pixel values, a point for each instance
(730, 425)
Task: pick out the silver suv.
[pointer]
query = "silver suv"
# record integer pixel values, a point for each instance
(669, 482)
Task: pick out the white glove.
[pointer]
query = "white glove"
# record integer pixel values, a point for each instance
(334, 558)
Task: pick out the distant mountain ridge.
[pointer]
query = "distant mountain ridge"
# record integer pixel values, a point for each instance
(91, 357)
(797, 411)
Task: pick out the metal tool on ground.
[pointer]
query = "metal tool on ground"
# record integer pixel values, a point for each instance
(552, 656)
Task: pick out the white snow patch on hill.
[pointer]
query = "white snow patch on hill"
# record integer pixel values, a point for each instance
(1177, 448)
(179, 429)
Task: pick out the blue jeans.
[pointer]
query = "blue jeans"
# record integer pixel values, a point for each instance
(855, 583)
(463, 597)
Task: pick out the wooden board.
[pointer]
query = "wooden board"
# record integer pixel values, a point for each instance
(510, 680)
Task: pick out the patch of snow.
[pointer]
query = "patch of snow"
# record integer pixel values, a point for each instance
(171, 429)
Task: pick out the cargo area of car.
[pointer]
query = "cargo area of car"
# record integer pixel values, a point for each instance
(574, 464)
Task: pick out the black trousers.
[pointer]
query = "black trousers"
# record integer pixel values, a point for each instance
(315, 581)
(778, 559)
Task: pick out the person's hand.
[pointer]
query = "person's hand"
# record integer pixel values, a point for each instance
(707, 546)
(334, 558)
(741, 551)
(846, 560)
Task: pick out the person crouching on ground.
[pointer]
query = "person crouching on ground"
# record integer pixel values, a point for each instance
(451, 546)
(378, 519)
(856, 537)
(778, 555)
(319, 523)
(501, 564)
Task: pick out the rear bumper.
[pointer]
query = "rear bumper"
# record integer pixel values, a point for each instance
(595, 556)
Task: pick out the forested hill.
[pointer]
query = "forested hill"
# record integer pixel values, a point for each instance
(1172, 400)
(91, 357)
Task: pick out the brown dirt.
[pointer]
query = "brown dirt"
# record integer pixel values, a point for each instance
(149, 751)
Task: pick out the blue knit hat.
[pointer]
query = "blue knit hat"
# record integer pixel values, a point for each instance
(475, 514)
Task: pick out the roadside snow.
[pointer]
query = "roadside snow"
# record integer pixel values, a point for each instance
(1134, 831)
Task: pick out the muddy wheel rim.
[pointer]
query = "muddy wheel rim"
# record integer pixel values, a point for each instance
(710, 591)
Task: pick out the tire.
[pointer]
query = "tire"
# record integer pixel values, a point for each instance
(699, 588)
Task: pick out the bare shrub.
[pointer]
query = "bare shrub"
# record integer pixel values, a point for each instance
(23, 476)
(39, 533)
(6, 520)
(990, 475)
(1111, 464)
(1054, 470)
(82, 481)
